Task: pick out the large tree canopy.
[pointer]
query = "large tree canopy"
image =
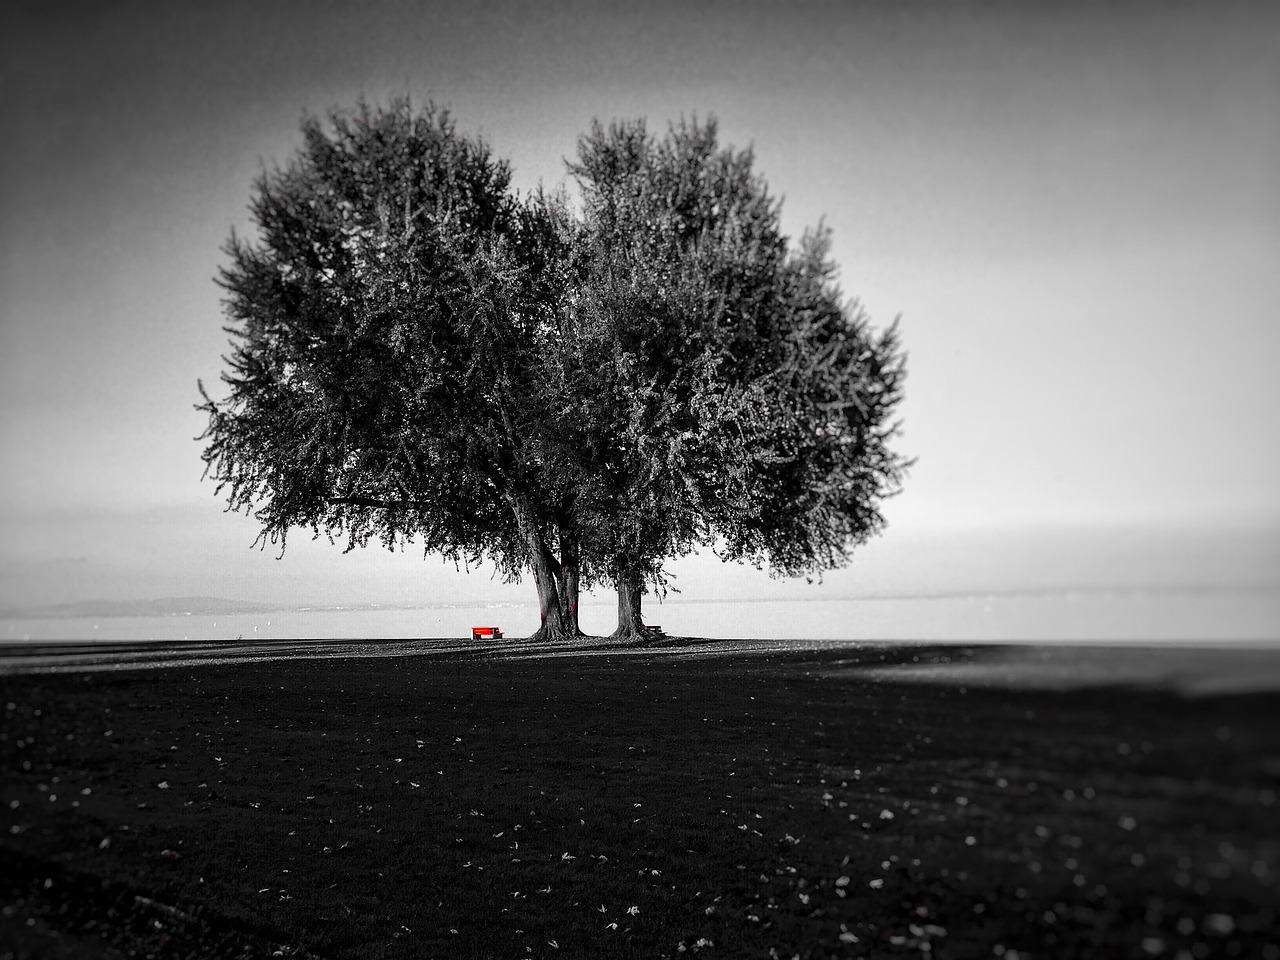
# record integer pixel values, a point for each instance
(386, 380)
(587, 391)
(736, 399)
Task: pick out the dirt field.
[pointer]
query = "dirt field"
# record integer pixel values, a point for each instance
(402, 800)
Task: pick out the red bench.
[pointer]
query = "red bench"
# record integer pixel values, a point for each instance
(482, 633)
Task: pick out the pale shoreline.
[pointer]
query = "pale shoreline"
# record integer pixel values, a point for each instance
(1237, 616)
(1186, 668)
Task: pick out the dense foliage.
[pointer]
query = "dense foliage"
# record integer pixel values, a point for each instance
(736, 399)
(422, 355)
(385, 379)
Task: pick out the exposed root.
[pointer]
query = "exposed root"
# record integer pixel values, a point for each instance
(545, 634)
(636, 635)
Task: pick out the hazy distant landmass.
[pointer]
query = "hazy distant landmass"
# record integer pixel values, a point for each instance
(164, 607)
(204, 606)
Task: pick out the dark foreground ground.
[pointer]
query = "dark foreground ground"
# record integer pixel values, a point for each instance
(610, 803)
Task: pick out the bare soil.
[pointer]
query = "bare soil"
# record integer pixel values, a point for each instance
(431, 802)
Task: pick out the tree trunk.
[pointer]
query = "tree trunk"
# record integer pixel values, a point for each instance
(630, 625)
(570, 575)
(546, 574)
(550, 610)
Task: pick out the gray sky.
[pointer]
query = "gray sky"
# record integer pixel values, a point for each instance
(1075, 207)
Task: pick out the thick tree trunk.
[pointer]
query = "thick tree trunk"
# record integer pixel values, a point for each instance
(570, 575)
(551, 611)
(546, 574)
(630, 625)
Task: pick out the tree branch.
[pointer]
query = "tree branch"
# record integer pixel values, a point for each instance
(382, 504)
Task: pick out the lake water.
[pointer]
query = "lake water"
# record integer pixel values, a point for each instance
(1243, 615)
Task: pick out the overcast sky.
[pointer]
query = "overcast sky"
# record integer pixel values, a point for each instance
(1075, 208)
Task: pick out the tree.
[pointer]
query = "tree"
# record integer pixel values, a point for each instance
(736, 399)
(392, 327)
(421, 355)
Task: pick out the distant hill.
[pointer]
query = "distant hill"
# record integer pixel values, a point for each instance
(164, 607)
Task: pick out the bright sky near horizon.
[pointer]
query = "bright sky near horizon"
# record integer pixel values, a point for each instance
(1075, 208)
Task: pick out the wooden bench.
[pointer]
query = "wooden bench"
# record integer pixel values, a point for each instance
(653, 632)
(483, 633)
